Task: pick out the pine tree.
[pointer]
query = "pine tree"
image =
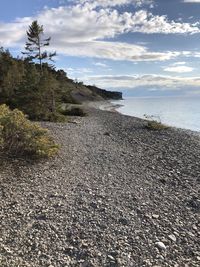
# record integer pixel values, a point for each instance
(35, 44)
(11, 76)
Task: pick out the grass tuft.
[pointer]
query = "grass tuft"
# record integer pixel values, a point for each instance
(154, 123)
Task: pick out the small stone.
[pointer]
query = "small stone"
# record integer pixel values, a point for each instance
(68, 250)
(85, 263)
(172, 238)
(160, 257)
(163, 181)
(84, 244)
(94, 205)
(113, 253)
(198, 258)
(160, 245)
(147, 262)
(194, 227)
(175, 233)
(111, 258)
(155, 216)
(123, 221)
(107, 134)
(191, 234)
(119, 261)
(7, 249)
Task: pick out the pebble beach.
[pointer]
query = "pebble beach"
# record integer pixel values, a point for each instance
(117, 194)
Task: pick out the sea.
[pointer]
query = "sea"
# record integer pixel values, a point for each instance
(181, 112)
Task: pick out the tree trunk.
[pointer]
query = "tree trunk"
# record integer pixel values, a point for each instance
(53, 102)
(40, 59)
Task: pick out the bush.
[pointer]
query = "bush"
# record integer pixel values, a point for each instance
(154, 123)
(56, 117)
(20, 137)
(68, 98)
(74, 111)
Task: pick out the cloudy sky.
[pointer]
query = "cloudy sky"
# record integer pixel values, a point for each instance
(144, 47)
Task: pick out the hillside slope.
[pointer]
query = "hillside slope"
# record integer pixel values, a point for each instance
(39, 93)
(82, 93)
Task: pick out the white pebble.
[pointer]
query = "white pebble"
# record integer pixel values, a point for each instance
(160, 245)
(155, 216)
(172, 238)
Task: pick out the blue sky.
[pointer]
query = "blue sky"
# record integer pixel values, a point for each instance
(144, 47)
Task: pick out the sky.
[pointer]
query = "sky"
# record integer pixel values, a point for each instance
(140, 47)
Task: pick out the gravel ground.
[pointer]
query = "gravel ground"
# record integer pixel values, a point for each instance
(116, 195)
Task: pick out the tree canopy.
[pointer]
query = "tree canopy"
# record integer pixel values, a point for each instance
(36, 44)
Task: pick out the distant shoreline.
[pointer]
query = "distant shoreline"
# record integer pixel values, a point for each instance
(107, 105)
(184, 115)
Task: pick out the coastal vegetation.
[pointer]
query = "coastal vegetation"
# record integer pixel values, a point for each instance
(19, 136)
(41, 95)
(35, 44)
(154, 123)
(31, 85)
(36, 87)
(74, 111)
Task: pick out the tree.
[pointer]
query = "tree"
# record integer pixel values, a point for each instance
(36, 43)
(11, 76)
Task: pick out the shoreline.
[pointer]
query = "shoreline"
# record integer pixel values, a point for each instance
(107, 105)
(114, 191)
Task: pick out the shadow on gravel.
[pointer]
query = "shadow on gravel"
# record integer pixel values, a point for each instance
(194, 204)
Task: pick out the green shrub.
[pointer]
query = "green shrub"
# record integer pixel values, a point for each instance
(56, 117)
(74, 111)
(20, 137)
(68, 98)
(154, 123)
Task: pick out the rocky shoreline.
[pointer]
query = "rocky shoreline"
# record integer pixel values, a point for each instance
(117, 194)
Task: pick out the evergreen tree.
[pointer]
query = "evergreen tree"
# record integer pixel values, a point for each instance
(11, 76)
(39, 94)
(35, 44)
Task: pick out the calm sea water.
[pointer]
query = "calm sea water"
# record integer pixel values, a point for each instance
(182, 112)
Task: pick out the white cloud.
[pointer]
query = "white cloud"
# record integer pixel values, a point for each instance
(191, 1)
(100, 64)
(178, 63)
(77, 30)
(133, 81)
(83, 23)
(146, 22)
(12, 33)
(111, 3)
(196, 54)
(179, 69)
(78, 70)
(114, 51)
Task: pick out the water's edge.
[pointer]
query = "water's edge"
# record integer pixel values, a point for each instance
(173, 112)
